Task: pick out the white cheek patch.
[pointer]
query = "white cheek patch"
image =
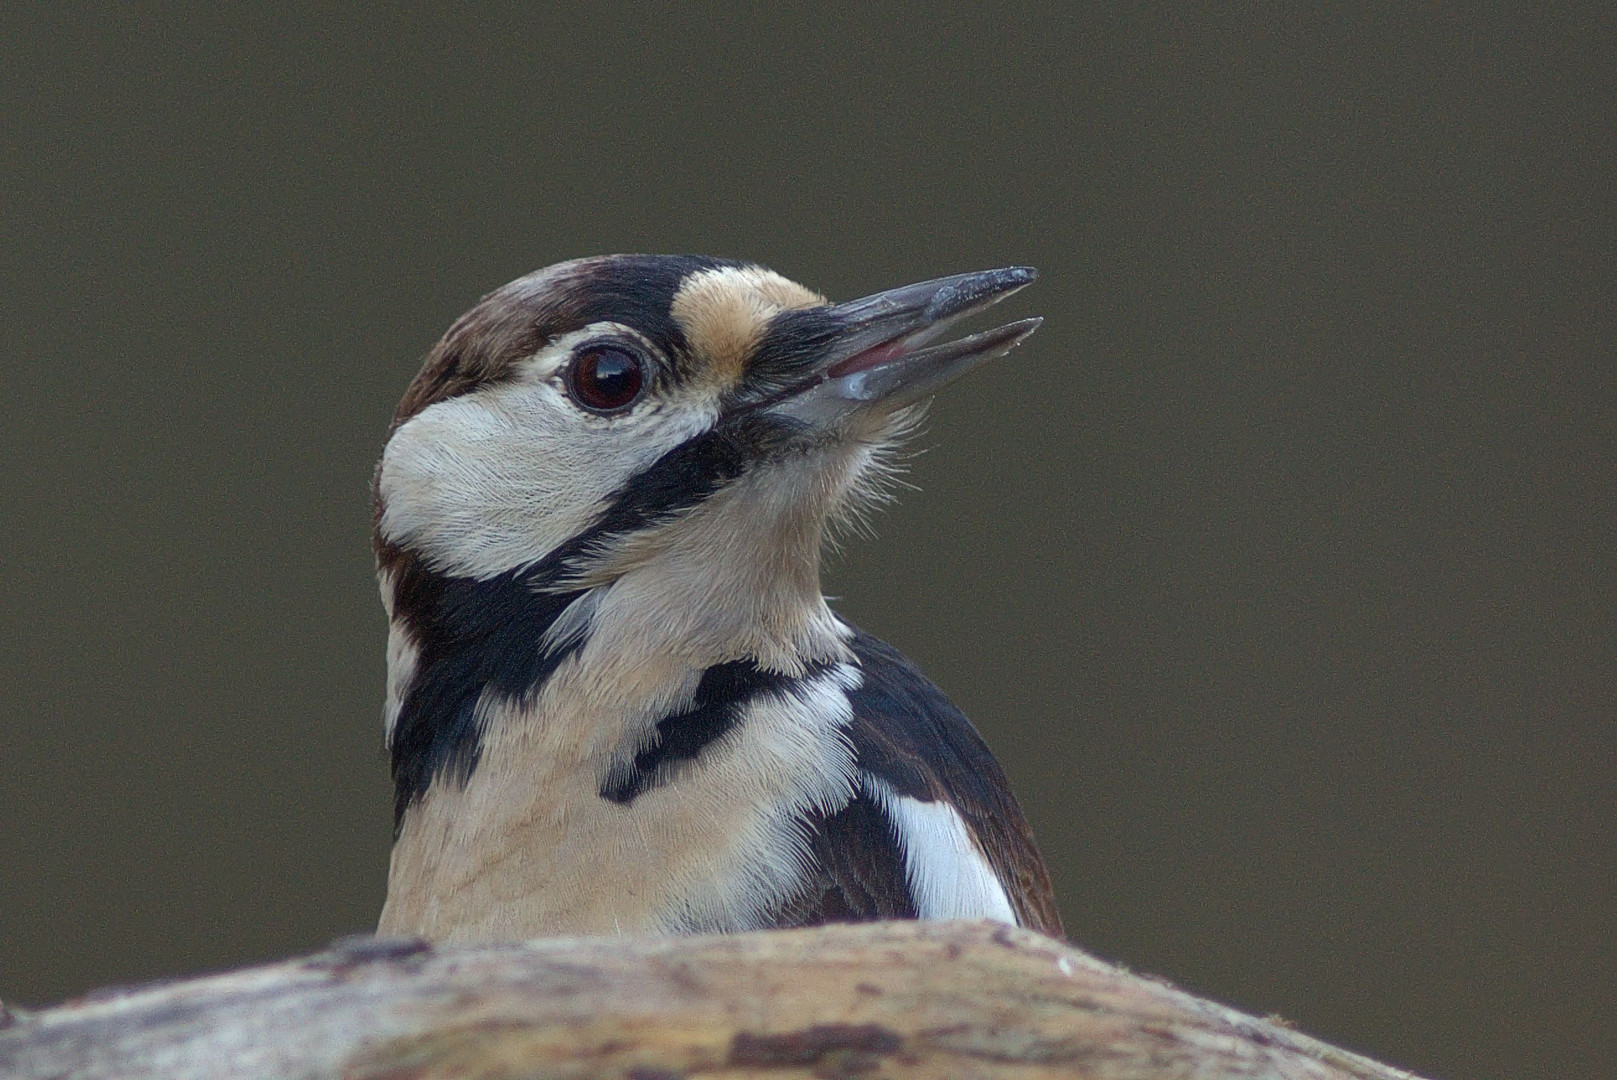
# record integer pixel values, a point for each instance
(948, 876)
(498, 478)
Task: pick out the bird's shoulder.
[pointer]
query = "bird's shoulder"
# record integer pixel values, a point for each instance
(933, 829)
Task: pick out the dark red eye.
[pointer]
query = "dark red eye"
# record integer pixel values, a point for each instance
(606, 378)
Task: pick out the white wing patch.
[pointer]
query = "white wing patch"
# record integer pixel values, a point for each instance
(948, 876)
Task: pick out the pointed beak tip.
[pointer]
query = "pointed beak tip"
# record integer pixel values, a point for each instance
(1026, 328)
(884, 351)
(1007, 279)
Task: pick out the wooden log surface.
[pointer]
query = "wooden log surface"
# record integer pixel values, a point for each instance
(899, 1000)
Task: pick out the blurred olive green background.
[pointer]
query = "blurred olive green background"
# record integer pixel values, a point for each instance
(1278, 568)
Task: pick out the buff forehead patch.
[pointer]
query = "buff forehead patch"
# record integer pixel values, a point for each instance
(723, 313)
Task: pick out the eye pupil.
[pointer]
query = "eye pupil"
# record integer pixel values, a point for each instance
(606, 378)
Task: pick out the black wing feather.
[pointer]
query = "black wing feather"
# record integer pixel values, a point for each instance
(908, 734)
(911, 737)
(859, 873)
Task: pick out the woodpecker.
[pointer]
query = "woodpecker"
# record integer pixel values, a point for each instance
(617, 700)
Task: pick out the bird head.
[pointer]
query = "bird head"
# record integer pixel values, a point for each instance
(686, 427)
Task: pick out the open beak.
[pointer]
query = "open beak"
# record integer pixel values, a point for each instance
(881, 356)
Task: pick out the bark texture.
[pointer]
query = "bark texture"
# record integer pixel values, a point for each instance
(897, 1000)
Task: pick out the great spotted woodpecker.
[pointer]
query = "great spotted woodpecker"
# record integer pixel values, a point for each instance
(617, 700)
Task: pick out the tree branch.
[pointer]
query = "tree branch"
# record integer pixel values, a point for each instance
(910, 999)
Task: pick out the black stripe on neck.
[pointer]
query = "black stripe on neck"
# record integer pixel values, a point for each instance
(473, 636)
(485, 635)
(722, 695)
